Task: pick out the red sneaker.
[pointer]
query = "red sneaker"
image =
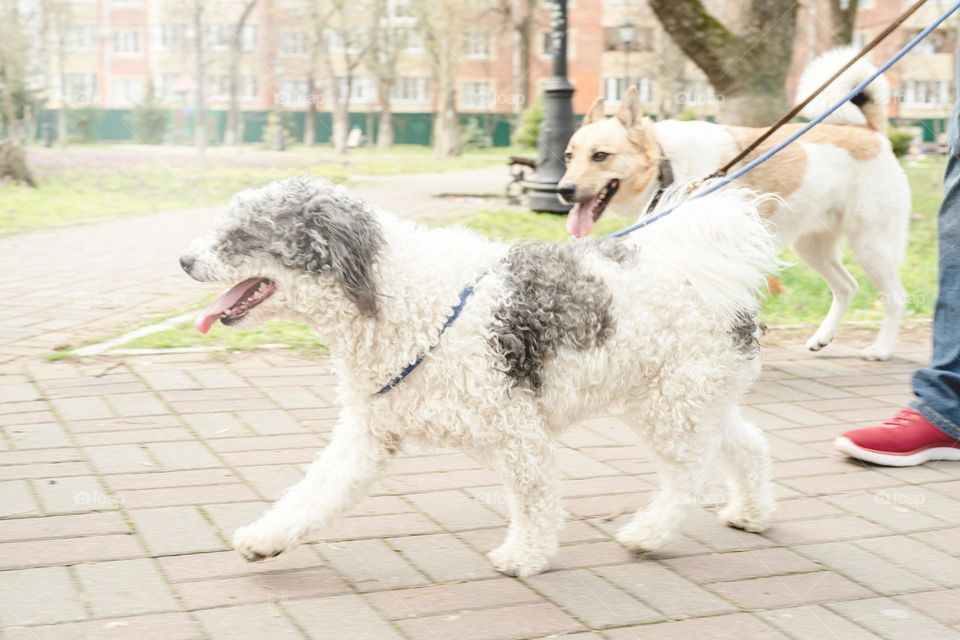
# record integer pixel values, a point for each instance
(905, 440)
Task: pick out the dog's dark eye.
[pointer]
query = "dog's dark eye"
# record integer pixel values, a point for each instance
(600, 156)
(567, 156)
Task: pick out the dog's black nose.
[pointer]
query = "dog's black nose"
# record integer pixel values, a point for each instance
(567, 190)
(186, 261)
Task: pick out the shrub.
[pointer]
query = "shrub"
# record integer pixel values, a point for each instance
(149, 119)
(528, 132)
(900, 139)
(80, 123)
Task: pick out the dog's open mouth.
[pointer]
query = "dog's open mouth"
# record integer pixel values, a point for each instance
(581, 218)
(235, 303)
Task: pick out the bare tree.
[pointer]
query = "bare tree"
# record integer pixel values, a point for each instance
(318, 16)
(56, 28)
(234, 129)
(16, 51)
(200, 105)
(442, 24)
(345, 37)
(843, 17)
(386, 42)
(748, 67)
(520, 16)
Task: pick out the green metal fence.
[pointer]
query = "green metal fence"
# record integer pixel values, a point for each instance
(408, 128)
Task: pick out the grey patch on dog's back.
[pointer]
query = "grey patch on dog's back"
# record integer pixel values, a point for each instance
(746, 334)
(550, 302)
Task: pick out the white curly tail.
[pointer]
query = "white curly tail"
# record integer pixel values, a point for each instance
(720, 243)
(871, 108)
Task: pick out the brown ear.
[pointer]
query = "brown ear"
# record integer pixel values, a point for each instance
(595, 114)
(629, 112)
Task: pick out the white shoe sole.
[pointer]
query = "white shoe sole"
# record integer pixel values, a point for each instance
(847, 446)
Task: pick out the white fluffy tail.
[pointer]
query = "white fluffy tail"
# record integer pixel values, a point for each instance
(871, 107)
(720, 243)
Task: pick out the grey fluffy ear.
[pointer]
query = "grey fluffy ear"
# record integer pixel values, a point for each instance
(342, 234)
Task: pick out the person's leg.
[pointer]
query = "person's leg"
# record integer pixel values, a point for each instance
(938, 386)
(930, 428)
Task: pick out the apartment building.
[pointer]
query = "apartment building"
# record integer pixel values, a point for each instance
(110, 51)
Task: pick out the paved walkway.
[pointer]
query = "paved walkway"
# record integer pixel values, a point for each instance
(121, 481)
(73, 284)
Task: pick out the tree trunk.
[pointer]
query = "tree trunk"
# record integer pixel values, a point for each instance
(446, 129)
(385, 131)
(843, 20)
(200, 131)
(13, 163)
(63, 129)
(525, 35)
(748, 69)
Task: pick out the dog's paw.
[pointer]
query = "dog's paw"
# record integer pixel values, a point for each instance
(876, 353)
(819, 340)
(260, 540)
(738, 517)
(517, 562)
(643, 538)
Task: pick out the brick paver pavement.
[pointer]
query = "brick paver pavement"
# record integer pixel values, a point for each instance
(122, 480)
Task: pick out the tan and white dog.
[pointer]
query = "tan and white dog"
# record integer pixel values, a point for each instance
(839, 181)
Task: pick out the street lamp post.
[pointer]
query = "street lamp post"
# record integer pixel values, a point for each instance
(557, 125)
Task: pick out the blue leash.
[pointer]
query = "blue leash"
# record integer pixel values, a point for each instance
(713, 188)
(722, 182)
(465, 295)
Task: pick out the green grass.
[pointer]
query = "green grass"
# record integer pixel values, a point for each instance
(89, 183)
(803, 296)
(271, 333)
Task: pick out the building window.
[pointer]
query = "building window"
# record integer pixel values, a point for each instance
(293, 93)
(697, 93)
(615, 87)
(476, 95)
(408, 39)
(126, 92)
(926, 93)
(477, 45)
(361, 89)
(163, 85)
(126, 42)
(937, 42)
(642, 39)
(218, 88)
(80, 38)
(168, 37)
(411, 90)
(79, 87)
(294, 44)
(349, 40)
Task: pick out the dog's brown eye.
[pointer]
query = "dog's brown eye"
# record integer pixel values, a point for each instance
(567, 156)
(600, 156)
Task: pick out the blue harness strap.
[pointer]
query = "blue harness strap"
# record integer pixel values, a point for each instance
(407, 370)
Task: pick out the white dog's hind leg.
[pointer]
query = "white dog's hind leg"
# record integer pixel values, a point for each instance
(880, 255)
(687, 459)
(529, 471)
(822, 252)
(335, 481)
(747, 461)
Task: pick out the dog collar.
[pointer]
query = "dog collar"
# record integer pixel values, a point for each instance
(407, 370)
(664, 179)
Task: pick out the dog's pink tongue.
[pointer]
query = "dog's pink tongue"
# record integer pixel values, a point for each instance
(212, 313)
(580, 218)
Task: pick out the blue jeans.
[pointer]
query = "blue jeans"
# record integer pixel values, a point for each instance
(938, 387)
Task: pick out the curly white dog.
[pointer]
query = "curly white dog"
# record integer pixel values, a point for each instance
(658, 328)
